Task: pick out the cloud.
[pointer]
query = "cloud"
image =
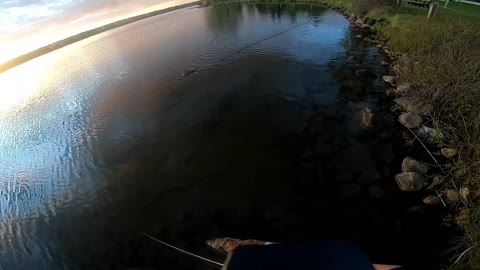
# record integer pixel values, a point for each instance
(26, 25)
(20, 15)
(16, 15)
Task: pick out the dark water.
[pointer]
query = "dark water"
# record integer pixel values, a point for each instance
(105, 139)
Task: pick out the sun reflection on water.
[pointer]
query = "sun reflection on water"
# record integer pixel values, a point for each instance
(23, 85)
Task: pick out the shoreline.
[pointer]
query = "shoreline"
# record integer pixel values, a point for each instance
(86, 34)
(433, 95)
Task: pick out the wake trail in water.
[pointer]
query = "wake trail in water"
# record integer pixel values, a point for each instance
(246, 47)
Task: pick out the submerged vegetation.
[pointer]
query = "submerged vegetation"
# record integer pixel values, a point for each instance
(439, 58)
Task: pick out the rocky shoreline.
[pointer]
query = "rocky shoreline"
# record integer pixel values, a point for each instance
(415, 117)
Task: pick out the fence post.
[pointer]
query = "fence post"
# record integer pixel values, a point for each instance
(446, 3)
(430, 10)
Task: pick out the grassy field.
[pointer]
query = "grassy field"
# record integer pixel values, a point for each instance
(455, 10)
(461, 8)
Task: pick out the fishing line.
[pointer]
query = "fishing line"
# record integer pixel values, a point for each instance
(199, 68)
(185, 252)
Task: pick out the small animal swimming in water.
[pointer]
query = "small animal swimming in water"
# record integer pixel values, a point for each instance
(189, 71)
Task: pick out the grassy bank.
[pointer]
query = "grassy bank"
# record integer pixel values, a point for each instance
(440, 60)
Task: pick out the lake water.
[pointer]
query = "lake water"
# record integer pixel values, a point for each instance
(105, 139)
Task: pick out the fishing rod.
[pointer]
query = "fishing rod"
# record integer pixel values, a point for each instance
(217, 264)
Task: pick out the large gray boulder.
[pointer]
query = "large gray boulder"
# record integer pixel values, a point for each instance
(412, 165)
(410, 120)
(410, 181)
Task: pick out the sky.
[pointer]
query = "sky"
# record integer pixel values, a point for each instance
(26, 25)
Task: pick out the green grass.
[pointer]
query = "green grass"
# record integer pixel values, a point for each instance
(461, 7)
(442, 14)
(441, 59)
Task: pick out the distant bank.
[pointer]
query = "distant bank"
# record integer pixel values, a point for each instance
(70, 40)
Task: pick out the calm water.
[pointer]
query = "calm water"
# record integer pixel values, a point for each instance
(105, 139)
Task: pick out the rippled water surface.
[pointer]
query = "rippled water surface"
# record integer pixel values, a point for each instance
(105, 139)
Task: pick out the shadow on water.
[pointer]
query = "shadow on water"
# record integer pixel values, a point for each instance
(267, 144)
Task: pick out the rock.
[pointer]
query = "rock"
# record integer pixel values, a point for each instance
(403, 88)
(376, 192)
(452, 196)
(358, 22)
(351, 58)
(390, 92)
(448, 152)
(464, 193)
(389, 79)
(432, 200)
(350, 191)
(369, 177)
(366, 26)
(410, 181)
(368, 118)
(412, 165)
(359, 36)
(379, 46)
(414, 105)
(384, 64)
(410, 120)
